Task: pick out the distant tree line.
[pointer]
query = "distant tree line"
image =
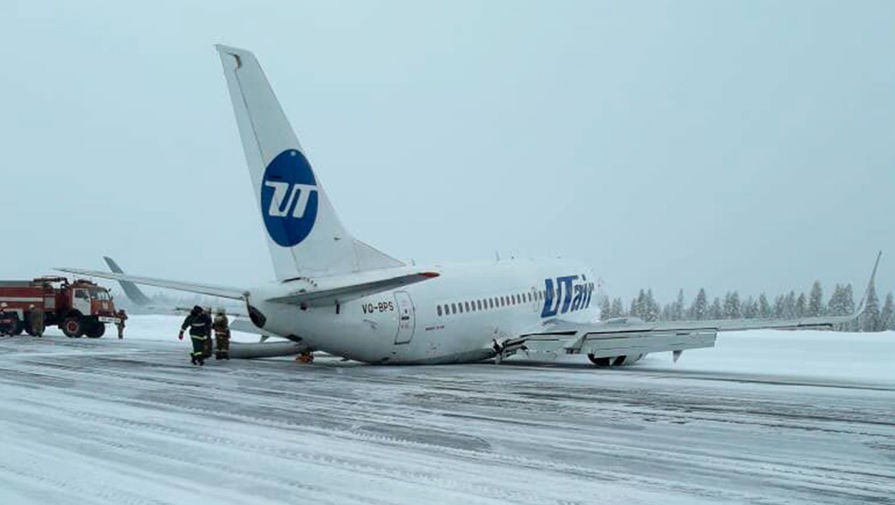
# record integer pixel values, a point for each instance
(784, 306)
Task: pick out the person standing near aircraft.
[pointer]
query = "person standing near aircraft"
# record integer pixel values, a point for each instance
(7, 320)
(200, 329)
(36, 318)
(221, 328)
(122, 317)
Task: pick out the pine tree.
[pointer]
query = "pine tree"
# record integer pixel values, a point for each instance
(887, 316)
(731, 308)
(779, 307)
(715, 311)
(750, 308)
(764, 308)
(789, 305)
(699, 309)
(605, 308)
(677, 312)
(870, 318)
(836, 307)
(801, 307)
(815, 301)
(618, 308)
(848, 305)
(651, 308)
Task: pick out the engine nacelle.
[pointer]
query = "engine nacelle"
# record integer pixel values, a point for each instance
(614, 360)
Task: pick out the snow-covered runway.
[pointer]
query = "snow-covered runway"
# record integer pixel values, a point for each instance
(132, 422)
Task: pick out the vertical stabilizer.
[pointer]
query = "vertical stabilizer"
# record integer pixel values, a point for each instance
(303, 232)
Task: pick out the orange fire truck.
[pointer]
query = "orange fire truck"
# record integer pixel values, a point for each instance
(78, 308)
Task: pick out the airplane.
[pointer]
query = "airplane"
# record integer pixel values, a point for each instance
(337, 294)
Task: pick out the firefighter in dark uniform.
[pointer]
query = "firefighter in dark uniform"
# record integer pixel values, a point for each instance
(122, 317)
(200, 331)
(7, 320)
(36, 316)
(221, 335)
(209, 344)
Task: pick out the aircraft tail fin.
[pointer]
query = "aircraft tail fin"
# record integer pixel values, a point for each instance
(304, 233)
(134, 293)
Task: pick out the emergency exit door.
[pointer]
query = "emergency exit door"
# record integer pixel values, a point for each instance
(406, 317)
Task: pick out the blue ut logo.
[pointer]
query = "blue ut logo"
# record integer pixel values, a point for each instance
(289, 198)
(566, 295)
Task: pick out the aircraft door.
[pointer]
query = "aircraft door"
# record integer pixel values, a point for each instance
(406, 317)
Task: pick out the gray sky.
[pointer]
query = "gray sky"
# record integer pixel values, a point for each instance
(744, 145)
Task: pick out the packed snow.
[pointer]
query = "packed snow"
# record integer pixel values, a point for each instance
(766, 417)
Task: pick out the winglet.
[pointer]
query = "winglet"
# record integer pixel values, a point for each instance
(870, 284)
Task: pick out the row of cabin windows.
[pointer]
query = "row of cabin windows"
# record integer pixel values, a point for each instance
(495, 302)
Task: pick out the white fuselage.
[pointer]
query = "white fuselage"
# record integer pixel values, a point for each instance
(453, 318)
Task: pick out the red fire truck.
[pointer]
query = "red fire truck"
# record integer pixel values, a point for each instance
(78, 308)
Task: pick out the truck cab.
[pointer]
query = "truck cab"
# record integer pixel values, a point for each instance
(85, 309)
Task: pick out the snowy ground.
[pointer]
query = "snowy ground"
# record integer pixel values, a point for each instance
(766, 417)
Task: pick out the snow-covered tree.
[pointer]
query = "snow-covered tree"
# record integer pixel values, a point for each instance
(870, 318)
(887, 316)
(605, 308)
(764, 308)
(779, 307)
(801, 307)
(617, 308)
(731, 309)
(651, 310)
(815, 301)
(677, 310)
(750, 308)
(699, 310)
(789, 305)
(715, 310)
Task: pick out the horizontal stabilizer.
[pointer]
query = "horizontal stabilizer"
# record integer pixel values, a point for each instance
(204, 289)
(332, 290)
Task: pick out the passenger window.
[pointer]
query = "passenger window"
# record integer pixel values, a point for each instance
(491, 303)
(466, 306)
(479, 303)
(439, 311)
(454, 307)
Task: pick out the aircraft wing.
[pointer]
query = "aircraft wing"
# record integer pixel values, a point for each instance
(631, 336)
(205, 289)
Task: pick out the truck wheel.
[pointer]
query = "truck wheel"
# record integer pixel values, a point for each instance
(95, 330)
(18, 327)
(73, 327)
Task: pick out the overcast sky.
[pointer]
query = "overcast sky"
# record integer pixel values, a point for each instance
(744, 145)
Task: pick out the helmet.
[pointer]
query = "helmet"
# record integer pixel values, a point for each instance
(3, 305)
(197, 309)
(222, 311)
